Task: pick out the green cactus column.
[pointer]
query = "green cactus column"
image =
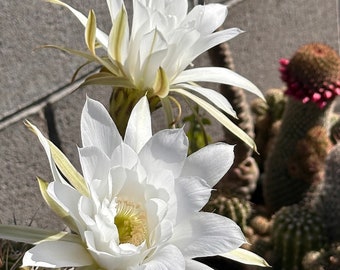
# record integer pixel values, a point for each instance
(313, 80)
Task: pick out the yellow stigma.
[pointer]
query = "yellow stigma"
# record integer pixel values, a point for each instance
(131, 222)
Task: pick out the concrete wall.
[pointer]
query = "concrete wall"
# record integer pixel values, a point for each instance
(35, 83)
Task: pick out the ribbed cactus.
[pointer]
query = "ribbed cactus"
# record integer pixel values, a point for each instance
(325, 259)
(241, 178)
(234, 208)
(297, 230)
(313, 80)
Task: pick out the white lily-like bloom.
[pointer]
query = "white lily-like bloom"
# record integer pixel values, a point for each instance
(138, 203)
(163, 41)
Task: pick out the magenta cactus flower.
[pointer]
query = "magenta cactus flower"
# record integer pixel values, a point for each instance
(313, 74)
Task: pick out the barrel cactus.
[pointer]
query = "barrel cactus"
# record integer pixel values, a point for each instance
(312, 77)
(297, 229)
(234, 208)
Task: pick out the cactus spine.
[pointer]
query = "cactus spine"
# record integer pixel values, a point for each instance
(312, 78)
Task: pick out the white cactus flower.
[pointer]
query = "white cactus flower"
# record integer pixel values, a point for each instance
(153, 55)
(139, 204)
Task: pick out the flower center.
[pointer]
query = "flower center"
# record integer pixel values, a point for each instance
(131, 222)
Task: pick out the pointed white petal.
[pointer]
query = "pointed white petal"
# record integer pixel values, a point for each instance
(56, 254)
(210, 163)
(94, 163)
(245, 256)
(166, 150)
(217, 75)
(194, 265)
(67, 198)
(192, 194)
(138, 130)
(213, 17)
(98, 129)
(207, 42)
(207, 234)
(166, 258)
(100, 35)
(215, 97)
(114, 7)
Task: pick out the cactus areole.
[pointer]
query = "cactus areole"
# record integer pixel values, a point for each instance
(313, 74)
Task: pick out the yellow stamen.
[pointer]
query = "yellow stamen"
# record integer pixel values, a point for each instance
(131, 222)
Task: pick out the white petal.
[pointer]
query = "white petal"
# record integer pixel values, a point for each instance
(207, 234)
(114, 7)
(166, 150)
(124, 259)
(140, 15)
(207, 42)
(56, 254)
(215, 97)
(194, 265)
(217, 75)
(177, 8)
(192, 194)
(213, 16)
(67, 198)
(210, 163)
(138, 130)
(167, 258)
(123, 155)
(97, 128)
(94, 163)
(156, 211)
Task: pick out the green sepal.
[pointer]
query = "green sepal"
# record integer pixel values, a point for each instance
(116, 36)
(246, 257)
(90, 32)
(161, 84)
(219, 116)
(68, 170)
(32, 235)
(106, 78)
